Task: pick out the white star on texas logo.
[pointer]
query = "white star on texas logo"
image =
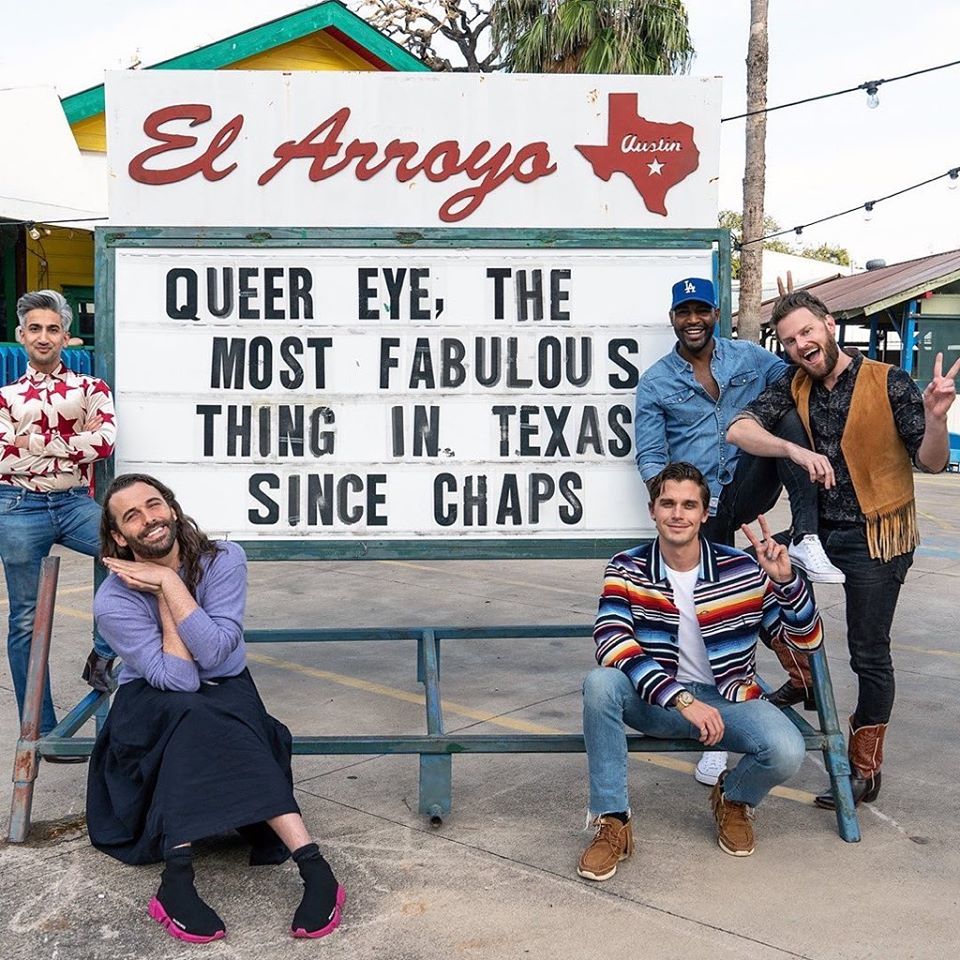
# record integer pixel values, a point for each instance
(655, 167)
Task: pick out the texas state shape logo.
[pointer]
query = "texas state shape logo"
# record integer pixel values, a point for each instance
(655, 156)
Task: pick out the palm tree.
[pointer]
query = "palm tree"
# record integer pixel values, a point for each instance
(592, 36)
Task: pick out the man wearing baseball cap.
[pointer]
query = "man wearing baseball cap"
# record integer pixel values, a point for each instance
(685, 401)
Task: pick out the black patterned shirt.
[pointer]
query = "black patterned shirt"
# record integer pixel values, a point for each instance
(828, 417)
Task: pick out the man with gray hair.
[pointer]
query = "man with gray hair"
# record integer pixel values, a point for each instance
(54, 425)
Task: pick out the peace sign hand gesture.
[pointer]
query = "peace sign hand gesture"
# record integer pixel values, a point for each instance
(941, 390)
(771, 556)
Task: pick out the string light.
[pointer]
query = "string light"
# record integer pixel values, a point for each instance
(870, 87)
(952, 175)
(868, 211)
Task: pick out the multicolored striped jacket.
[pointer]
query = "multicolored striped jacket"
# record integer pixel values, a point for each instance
(638, 622)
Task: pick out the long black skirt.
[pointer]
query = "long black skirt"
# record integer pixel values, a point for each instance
(171, 768)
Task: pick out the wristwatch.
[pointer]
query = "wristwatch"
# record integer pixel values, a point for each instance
(683, 699)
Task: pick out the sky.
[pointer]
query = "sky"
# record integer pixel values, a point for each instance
(821, 157)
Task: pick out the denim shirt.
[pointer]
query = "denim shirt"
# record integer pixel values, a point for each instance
(676, 419)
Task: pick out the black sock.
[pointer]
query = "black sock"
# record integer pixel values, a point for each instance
(180, 899)
(319, 901)
(622, 816)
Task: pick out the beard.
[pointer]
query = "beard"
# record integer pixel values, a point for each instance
(695, 348)
(831, 354)
(155, 549)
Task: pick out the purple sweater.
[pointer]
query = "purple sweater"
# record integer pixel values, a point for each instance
(130, 622)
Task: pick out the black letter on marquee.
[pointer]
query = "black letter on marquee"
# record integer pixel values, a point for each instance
(542, 488)
(188, 310)
(319, 346)
(387, 361)
(208, 412)
(418, 293)
(272, 293)
(586, 360)
(366, 293)
(509, 501)
(375, 499)
(301, 283)
(246, 293)
(257, 481)
(261, 363)
(568, 483)
(628, 382)
(558, 294)
(290, 349)
(617, 415)
(422, 367)
(227, 363)
(444, 483)
(238, 428)
(504, 413)
(215, 309)
(498, 275)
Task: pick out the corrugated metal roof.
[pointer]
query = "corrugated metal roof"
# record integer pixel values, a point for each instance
(863, 294)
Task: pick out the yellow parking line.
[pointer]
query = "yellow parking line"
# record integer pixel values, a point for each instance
(508, 723)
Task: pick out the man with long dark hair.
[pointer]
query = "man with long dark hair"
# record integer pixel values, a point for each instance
(188, 750)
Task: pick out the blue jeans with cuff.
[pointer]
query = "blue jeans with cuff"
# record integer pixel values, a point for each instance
(30, 524)
(771, 745)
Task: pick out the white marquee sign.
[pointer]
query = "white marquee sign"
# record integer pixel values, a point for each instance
(392, 394)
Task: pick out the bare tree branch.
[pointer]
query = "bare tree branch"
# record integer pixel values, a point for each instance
(431, 29)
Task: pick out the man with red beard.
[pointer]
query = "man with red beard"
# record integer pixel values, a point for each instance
(868, 424)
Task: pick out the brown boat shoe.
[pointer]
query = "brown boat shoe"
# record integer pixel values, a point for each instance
(734, 823)
(612, 843)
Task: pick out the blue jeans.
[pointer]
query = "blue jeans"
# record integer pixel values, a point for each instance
(756, 487)
(871, 591)
(30, 524)
(771, 745)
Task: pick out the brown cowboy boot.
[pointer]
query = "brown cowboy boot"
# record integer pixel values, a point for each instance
(800, 685)
(866, 755)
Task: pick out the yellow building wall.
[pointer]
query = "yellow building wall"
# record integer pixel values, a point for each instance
(319, 51)
(62, 257)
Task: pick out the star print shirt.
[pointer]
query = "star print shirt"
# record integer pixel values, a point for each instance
(52, 410)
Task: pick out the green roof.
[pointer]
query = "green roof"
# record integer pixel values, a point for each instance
(333, 15)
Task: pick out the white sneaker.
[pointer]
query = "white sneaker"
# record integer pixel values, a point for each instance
(810, 557)
(712, 764)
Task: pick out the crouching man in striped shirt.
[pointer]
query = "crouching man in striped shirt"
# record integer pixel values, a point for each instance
(676, 637)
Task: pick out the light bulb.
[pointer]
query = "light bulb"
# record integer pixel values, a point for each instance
(868, 211)
(873, 100)
(953, 178)
(34, 233)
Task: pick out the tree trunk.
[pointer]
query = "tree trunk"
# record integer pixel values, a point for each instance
(754, 176)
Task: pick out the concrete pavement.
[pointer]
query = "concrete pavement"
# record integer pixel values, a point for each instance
(497, 879)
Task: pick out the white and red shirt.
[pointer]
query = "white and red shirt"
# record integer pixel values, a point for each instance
(52, 409)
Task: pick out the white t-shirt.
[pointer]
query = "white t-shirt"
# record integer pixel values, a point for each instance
(694, 665)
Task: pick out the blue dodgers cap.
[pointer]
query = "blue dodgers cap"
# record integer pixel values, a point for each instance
(693, 288)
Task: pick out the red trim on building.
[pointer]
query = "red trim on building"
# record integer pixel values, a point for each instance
(359, 50)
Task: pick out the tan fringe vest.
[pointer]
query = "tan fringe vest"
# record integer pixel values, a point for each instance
(877, 459)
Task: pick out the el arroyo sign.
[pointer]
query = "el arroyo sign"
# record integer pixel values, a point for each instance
(470, 382)
(321, 149)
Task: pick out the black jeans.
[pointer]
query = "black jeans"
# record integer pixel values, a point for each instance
(756, 487)
(871, 590)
